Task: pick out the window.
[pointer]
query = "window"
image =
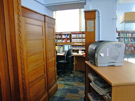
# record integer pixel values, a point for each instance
(68, 20)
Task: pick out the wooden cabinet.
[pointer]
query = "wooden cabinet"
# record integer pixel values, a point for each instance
(120, 78)
(38, 73)
(35, 75)
(25, 73)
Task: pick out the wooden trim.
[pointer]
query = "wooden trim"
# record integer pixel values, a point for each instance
(26, 12)
(31, 10)
(50, 17)
(49, 20)
(89, 35)
(7, 14)
(90, 15)
(32, 14)
(4, 66)
(53, 90)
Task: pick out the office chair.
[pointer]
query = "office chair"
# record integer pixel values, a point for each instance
(66, 62)
(56, 57)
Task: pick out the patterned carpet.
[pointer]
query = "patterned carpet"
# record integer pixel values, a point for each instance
(71, 87)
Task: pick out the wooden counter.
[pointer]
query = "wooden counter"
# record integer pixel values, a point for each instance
(121, 78)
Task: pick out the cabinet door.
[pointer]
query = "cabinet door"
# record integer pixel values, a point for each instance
(51, 52)
(35, 59)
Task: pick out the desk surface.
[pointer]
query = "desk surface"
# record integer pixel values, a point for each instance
(116, 75)
(62, 54)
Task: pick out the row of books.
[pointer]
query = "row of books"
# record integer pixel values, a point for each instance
(126, 39)
(78, 47)
(127, 34)
(62, 36)
(78, 40)
(78, 35)
(129, 48)
(100, 86)
(62, 40)
(130, 44)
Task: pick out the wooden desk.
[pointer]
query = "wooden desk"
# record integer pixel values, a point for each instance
(121, 79)
(79, 62)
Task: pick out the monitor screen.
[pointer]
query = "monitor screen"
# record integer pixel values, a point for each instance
(66, 47)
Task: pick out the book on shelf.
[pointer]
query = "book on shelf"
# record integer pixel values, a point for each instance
(108, 96)
(101, 90)
(65, 36)
(95, 97)
(73, 35)
(101, 83)
(93, 77)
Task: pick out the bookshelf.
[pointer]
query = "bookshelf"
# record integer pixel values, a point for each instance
(75, 39)
(119, 78)
(62, 38)
(78, 41)
(127, 34)
(128, 38)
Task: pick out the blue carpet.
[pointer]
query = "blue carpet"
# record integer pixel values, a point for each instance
(71, 87)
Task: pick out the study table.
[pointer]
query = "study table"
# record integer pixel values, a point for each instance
(120, 78)
(79, 61)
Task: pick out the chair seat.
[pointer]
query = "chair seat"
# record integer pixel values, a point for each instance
(62, 61)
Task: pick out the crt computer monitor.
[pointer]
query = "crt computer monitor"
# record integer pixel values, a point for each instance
(66, 47)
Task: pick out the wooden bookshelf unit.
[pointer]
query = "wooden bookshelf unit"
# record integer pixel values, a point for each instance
(120, 78)
(75, 39)
(78, 40)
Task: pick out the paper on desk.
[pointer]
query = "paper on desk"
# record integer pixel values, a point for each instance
(60, 53)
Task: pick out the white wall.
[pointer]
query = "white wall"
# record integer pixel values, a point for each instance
(37, 7)
(121, 8)
(107, 9)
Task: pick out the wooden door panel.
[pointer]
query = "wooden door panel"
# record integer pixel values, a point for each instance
(51, 78)
(50, 43)
(35, 58)
(33, 52)
(37, 89)
(36, 73)
(50, 33)
(34, 44)
(51, 52)
(34, 36)
(51, 65)
(36, 66)
(34, 29)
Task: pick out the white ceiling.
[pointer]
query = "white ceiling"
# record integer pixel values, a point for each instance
(67, 4)
(125, 1)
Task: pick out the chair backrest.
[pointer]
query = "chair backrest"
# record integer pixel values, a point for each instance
(56, 55)
(68, 54)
